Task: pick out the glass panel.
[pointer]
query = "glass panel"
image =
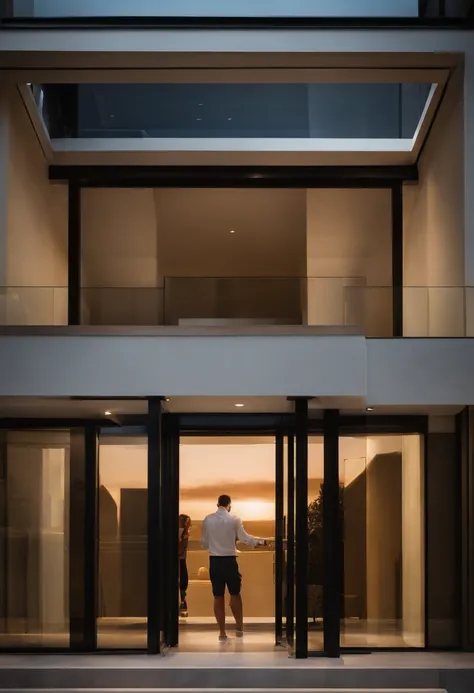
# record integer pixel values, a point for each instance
(34, 537)
(369, 111)
(382, 494)
(216, 8)
(315, 539)
(123, 541)
(244, 468)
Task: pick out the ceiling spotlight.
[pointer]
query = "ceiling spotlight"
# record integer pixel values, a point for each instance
(108, 413)
(229, 118)
(232, 231)
(167, 399)
(239, 406)
(370, 409)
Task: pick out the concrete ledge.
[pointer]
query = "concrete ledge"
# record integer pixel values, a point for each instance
(182, 331)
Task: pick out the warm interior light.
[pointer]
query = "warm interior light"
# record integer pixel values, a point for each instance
(240, 405)
(108, 413)
(370, 409)
(232, 231)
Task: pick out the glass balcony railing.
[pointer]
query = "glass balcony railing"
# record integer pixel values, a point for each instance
(331, 9)
(436, 311)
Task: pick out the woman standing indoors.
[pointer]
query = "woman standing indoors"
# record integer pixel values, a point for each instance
(183, 538)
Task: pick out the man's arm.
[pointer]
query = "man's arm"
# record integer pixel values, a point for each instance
(245, 538)
(204, 536)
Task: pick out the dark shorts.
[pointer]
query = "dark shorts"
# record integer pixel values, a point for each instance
(224, 572)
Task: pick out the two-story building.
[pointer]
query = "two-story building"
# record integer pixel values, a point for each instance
(237, 256)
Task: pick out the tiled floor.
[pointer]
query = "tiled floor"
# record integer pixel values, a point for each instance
(200, 635)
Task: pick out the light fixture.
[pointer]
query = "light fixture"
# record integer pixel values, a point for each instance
(108, 413)
(167, 399)
(370, 409)
(232, 231)
(239, 406)
(229, 118)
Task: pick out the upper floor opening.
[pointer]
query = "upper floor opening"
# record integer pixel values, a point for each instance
(329, 197)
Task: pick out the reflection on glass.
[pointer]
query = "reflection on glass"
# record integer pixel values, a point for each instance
(315, 542)
(260, 110)
(244, 468)
(382, 491)
(34, 534)
(123, 542)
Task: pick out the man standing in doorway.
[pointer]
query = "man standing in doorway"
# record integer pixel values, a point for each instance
(220, 532)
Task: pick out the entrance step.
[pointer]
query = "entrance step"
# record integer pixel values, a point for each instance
(233, 690)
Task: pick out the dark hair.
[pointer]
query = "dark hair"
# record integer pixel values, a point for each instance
(182, 520)
(223, 501)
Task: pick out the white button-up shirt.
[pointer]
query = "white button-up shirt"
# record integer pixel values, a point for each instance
(221, 531)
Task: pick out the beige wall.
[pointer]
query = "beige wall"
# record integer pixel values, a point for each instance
(349, 249)
(434, 228)
(36, 228)
(120, 259)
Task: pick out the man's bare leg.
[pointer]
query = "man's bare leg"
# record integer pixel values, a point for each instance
(219, 613)
(238, 613)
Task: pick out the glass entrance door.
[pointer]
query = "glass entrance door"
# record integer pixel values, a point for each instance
(244, 467)
(123, 539)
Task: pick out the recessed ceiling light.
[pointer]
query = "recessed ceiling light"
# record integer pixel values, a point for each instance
(229, 118)
(232, 231)
(167, 399)
(370, 409)
(239, 406)
(108, 413)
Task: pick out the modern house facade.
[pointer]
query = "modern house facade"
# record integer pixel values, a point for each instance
(237, 255)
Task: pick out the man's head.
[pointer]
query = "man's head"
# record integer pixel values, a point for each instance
(225, 502)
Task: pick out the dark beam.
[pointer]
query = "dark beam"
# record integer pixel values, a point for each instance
(336, 23)
(332, 537)
(301, 539)
(397, 260)
(155, 550)
(74, 254)
(83, 540)
(234, 176)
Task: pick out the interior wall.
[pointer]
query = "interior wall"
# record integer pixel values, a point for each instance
(120, 259)
(349, 265)
(36, 228)
(434, 228)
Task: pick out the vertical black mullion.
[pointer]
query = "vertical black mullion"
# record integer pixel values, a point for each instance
(83, 545)
(154, 526)
(172, 544)
(279, 520)
(332, 536)
(442, 9)
(301, 586)
(466, 529)
(397, 260)
(74, 254)
(290, 544)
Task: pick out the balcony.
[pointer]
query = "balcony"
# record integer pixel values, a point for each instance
(212, 302)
